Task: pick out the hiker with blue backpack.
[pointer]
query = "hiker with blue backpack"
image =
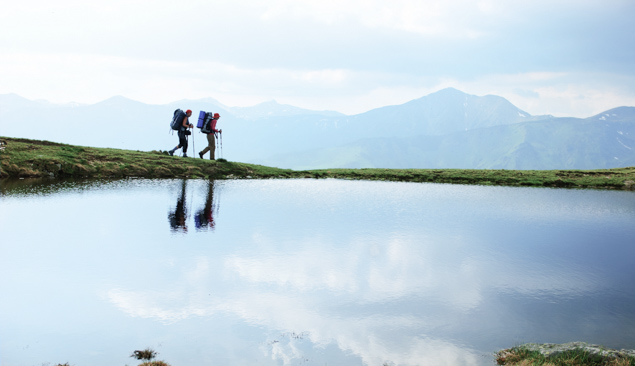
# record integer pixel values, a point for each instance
(208, 127)
(180, 123)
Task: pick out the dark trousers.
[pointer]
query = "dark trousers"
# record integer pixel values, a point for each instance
(183, 140)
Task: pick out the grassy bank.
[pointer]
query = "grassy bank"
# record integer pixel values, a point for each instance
(22, 158)
(582, 355)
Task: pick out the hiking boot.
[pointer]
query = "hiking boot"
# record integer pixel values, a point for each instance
(171, 152)
(200, 155)
(185, 155)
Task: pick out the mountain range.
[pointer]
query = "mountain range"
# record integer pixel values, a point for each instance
(446, 129)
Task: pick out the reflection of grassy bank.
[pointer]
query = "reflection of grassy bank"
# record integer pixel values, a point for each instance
(573, 354)
(31, 158)
(147, 355)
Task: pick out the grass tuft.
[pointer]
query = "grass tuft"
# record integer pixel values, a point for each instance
(146, 354)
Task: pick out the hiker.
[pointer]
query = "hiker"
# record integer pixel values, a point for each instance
(211, 143)
(183, 133)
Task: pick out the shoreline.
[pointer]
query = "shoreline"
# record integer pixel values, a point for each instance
(24, 158)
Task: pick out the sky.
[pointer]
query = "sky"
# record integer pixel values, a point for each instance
(558, 57)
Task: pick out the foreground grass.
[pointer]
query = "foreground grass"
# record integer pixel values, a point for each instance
(22, 158)
(523, 356)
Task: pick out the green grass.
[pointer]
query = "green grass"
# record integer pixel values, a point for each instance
(522, 356)
(22, 158)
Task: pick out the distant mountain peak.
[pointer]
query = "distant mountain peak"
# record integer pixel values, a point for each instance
(619, 114)
(449, 90)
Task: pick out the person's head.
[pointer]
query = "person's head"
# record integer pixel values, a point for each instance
(188, 112)
(216, 116)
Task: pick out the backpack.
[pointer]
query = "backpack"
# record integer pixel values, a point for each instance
(205, 121)
(177, 120)
(201, 119)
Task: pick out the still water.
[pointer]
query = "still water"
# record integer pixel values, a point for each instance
(308, 272)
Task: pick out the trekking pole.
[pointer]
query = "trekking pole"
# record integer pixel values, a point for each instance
(193, 145)
(221, 144)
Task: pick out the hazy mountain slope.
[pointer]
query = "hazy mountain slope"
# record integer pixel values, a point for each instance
(447, 129)
(446, 111)
(440, 113)
(123, 123)
(553, 143)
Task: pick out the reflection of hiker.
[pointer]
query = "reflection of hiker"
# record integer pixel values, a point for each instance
(177, 217)
(183, 133)
(204, 218)
(211, 145)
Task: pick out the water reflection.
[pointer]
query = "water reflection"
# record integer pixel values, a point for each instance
(178, 216)
(204, 218)
(315, 272)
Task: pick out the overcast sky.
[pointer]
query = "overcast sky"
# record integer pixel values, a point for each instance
(560, 57)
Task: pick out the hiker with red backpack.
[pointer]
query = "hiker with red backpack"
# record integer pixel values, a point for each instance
(181, 123)
(211, 143)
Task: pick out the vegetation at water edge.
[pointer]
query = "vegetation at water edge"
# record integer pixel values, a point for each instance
(578, 356)
(22, 158)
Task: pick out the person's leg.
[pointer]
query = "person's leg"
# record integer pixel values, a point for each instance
(182, 143)
(207, 148)
(184, 146)
(171, 152)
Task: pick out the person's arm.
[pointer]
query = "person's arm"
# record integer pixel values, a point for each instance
(185, 124)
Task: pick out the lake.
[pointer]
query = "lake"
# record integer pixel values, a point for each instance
(308, 272)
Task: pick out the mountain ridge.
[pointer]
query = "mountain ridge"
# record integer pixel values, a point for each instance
(447, 128)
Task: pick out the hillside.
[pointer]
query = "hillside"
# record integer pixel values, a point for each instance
(22, 158)
(550, 143)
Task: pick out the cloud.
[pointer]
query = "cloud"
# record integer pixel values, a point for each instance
(427, 18)
(349, 55)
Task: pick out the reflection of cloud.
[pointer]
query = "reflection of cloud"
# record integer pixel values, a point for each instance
(165, 306)
(333, 294)
(424, 351)
(404, 268)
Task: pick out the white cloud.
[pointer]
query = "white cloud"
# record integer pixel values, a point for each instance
(350, 55)
(428, 18)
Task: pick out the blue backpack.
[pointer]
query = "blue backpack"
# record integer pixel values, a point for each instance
(177, 119)
(205, 121)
